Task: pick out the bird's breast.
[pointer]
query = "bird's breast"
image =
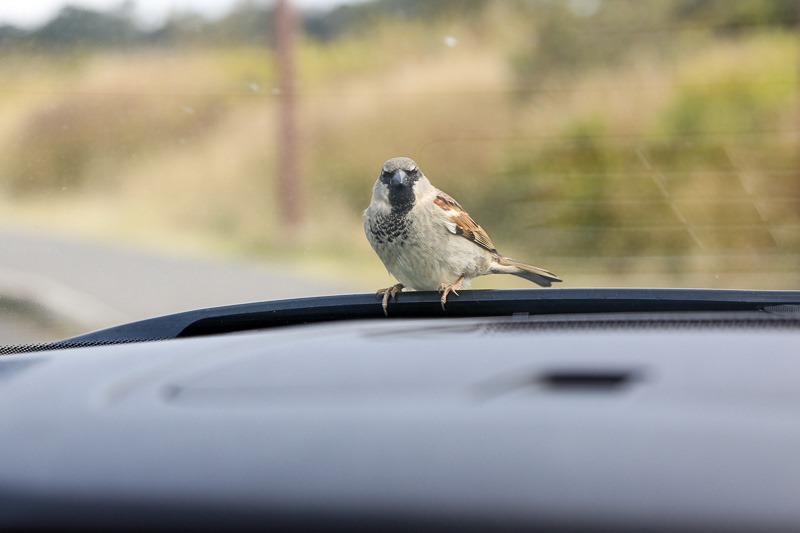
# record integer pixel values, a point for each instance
(391, 228)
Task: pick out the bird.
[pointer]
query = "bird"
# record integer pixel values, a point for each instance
(427, 241)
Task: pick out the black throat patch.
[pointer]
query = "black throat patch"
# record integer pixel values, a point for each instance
(401, 199)
(400, 182)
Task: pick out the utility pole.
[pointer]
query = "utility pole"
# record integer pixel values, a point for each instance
(290, 186)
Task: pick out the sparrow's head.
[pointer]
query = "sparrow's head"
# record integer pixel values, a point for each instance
(400, 183)
(399, 172)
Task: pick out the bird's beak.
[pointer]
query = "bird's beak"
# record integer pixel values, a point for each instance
(398, 178)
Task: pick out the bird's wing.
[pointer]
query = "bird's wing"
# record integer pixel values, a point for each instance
(460, 223)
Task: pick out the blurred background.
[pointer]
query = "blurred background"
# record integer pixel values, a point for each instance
(218, 152)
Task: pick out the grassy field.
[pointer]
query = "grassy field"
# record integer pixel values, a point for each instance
(673, 170)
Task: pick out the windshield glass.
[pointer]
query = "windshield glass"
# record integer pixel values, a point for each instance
(164, 156)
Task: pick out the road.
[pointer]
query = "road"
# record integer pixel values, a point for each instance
(68, 286)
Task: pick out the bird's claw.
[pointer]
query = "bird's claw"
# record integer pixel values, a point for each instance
(386, 294)
(446, 289)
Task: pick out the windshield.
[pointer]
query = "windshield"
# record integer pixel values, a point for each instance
(164, 156)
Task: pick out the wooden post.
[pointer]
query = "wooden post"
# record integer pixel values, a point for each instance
(289, 179)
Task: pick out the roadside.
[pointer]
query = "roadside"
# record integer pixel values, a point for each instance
(55, 287)
(25, 322)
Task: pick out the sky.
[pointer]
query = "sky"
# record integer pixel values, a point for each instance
(32, 13)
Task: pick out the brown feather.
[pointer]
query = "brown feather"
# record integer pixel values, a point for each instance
(465, 226)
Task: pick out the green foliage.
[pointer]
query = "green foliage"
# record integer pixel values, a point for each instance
(734, 89)
(359, 19)
(584, 194)
(736, 17)
(74, 26)
(696, 172)
(573, 35)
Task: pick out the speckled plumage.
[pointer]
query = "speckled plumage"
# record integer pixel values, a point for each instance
(390, 228)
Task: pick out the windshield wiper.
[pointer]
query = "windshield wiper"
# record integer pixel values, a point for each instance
(477, 303)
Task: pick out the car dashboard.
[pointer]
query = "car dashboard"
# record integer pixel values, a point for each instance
(656, 420)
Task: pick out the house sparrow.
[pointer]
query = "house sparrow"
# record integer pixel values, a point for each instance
(427, 241)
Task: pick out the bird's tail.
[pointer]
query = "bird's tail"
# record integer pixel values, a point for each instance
(540, 276)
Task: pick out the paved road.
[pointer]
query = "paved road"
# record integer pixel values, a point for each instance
(82, 285)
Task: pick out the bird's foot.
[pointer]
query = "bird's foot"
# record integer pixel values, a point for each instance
(386, 294)
(446, 289)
